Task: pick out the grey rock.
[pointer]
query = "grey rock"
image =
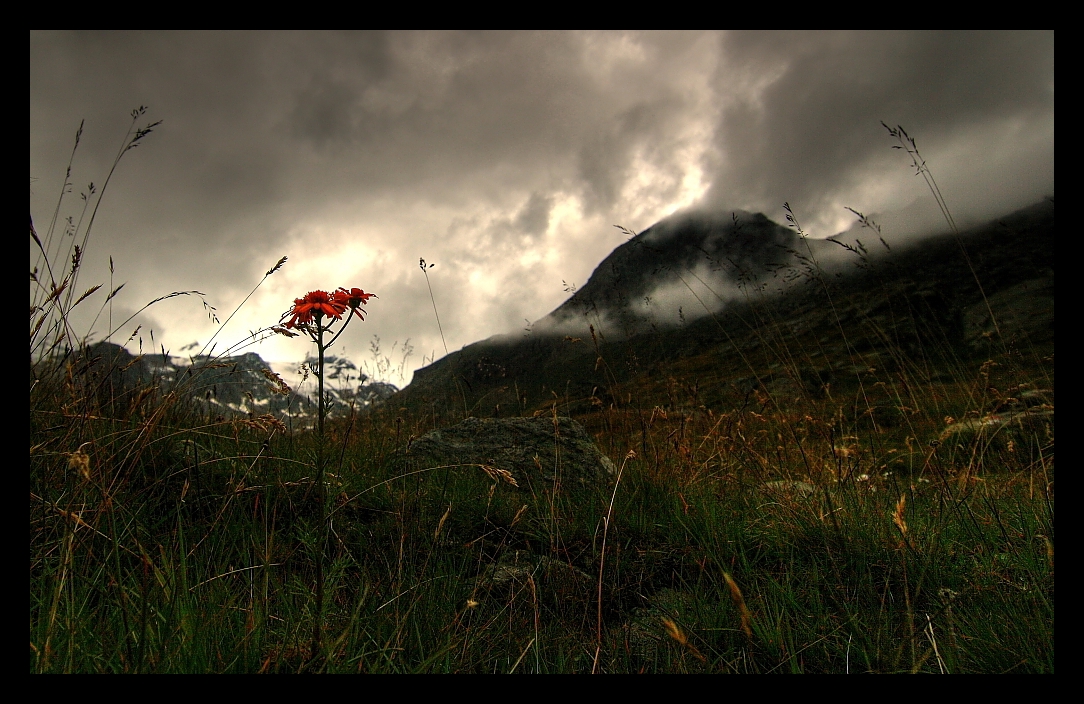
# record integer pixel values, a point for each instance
(518, 566)
(535, 451)
(789, 487)
(521, 581)
(1029, 409)
(1031, 419)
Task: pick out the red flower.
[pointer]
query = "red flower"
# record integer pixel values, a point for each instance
(353, 299)
(315, 304)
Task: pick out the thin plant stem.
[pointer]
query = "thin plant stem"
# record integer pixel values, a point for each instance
(424, 268)
(602, 560)
(321, 491)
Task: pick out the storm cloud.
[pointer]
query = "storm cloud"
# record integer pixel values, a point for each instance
(503, 158)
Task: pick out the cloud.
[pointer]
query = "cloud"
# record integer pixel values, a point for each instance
(505, 158)
(801, 120)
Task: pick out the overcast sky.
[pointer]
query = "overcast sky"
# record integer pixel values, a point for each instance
(503, 158)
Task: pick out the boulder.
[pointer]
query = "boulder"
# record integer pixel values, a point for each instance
(517, 566)
(534, 452)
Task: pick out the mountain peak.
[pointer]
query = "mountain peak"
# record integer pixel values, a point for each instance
(686, 265)
(762, 284)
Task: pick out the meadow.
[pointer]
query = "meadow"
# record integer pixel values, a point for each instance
(850, 479)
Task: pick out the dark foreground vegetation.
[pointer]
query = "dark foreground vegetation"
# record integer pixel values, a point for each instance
(858, 477)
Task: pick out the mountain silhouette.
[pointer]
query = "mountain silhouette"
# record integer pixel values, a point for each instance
(724, 295)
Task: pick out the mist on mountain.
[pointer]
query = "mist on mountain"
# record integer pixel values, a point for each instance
(703, 283)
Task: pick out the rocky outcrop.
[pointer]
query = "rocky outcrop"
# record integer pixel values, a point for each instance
(535, 452)
(1029, 410)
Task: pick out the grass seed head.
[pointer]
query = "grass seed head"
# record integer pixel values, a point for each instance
(499, 475)
(80, 461)
(897, 516)
(739, 601)
(675, 632)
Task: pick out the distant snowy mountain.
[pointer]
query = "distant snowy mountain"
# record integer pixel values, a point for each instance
(221, 386)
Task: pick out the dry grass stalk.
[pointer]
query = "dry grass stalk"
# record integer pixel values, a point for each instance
(277, 384)
(739, 601)
(264, 423)
(897, 516)
(675, 632)
(519, 515)
(440, 523)
(499, 475)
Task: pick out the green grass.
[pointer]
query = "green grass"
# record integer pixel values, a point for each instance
(191, 549)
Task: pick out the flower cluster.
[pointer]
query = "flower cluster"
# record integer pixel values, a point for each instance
(318, 304)
(353, 299)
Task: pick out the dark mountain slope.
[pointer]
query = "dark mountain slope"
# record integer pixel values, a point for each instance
(783, 316)
(728, 249)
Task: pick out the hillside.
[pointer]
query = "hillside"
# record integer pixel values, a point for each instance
(781, 316)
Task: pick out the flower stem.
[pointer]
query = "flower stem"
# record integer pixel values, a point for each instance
(321, 492)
